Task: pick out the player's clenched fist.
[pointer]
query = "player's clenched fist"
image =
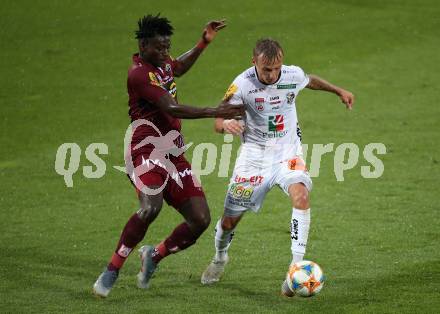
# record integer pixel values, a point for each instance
(234, 127)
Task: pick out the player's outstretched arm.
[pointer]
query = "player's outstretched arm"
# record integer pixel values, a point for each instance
(185, 61)
(317, 83)
(169, 105)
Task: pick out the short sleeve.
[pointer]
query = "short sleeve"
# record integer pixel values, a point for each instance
(147, 86)
(302, 78)
(233, 95)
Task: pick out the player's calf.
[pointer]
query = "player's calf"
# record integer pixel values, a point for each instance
(300, 222)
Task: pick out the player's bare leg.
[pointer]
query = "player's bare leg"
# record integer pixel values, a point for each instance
(300, 224)
(197, 218)
(133, 233)
(224, 232)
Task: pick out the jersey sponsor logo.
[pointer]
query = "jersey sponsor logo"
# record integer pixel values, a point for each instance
(276, 123)
(173, 89)
(254, 91)
(157, 80)
(274, 100)
(230, 92)
(286, 86)
(290, 97)
(253, 180)
(275, 127)
(240, 192)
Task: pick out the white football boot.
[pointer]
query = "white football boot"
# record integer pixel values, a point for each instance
(214, 271)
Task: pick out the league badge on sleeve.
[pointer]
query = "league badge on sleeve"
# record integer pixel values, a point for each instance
(230, 92)
(155, 79)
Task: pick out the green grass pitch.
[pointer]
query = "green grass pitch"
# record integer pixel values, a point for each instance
(63, 79)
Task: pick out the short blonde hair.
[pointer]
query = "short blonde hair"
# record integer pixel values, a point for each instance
(269, 48)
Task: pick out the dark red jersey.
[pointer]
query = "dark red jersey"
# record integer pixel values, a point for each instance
(146, 84)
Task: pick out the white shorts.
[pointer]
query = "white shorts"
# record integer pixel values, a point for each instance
(249, 184)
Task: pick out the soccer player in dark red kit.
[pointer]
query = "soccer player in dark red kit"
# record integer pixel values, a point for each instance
(153, 101)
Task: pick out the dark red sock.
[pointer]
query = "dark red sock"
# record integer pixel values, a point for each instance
(180, 239)
(133, 233)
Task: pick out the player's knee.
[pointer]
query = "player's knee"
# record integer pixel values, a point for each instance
(228, 223)
(300, 196)
(201, 222)
(149, 209)
(301, 200)
(148, 213)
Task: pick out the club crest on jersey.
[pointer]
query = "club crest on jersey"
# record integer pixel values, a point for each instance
(168, 67)
(290, 96)
(259, 104)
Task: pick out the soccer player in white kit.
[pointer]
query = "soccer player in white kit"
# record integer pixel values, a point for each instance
(271, 152)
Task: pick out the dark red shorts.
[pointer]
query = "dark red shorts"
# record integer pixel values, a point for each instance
(173, 194)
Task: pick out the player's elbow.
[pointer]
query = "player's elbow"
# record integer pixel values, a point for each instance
(178, 70)
(172, 110)
(177, 73)
(312, 81)
(168, 105)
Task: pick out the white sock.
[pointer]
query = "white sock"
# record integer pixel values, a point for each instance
(223, 240)
(299, 232)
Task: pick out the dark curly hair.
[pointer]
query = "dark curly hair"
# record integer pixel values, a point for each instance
(150, 26)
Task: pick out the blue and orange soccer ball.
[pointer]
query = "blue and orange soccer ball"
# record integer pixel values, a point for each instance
(305, 278)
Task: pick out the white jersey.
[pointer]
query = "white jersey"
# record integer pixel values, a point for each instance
(271, 123)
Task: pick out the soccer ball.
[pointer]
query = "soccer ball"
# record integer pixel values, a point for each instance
(305, 278)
